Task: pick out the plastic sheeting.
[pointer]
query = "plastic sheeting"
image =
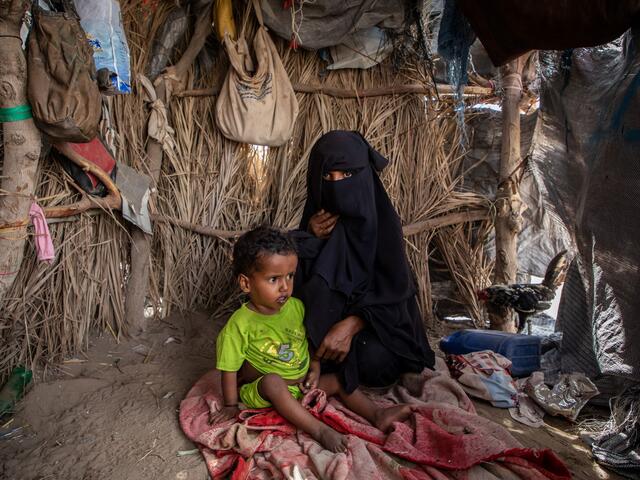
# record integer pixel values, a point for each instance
(566, 398)
(166, 39)
(588, 146)
(102, 23)
(455, 37)
(543, 234)
(325, 23)
(362, 49)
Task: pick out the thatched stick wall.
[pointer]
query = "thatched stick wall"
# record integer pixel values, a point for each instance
(210, 181)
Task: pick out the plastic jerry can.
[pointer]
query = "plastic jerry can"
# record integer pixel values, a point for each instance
(522, 350)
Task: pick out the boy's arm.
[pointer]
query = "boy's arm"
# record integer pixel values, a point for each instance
(230, 388)
(230, 353)
(230, 397)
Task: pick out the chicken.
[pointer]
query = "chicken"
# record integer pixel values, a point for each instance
(527, 298)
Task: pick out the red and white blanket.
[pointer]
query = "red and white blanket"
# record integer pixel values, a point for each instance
(443, 439)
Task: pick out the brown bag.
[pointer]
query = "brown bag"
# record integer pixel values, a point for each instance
(62, 90)
(256, 105)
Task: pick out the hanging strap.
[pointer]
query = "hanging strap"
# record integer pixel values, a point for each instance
(247, 9)
(15, 114)
(238, 51)
(245, 18)
(256, 6)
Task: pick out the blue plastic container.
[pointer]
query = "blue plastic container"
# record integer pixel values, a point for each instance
(522, 350)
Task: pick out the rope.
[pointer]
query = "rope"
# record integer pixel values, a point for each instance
(15, 114)
(625, 413)
(158, 126)
(512, 81)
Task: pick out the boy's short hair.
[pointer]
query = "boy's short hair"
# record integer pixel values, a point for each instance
(258, 242)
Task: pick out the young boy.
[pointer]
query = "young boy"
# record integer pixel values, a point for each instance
(263, 353)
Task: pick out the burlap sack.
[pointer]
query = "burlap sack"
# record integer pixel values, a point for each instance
(256, 105)
(62, 90)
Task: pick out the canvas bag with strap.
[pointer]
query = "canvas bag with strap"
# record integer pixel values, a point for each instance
(256, 105)
(62, 90)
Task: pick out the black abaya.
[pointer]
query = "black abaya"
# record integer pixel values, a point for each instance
(361, 269)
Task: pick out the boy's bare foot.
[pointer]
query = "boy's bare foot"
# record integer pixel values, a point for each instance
(386, 416)
(330, 439)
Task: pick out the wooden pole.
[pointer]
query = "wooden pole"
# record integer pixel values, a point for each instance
(364, 93)
(113, 202)
(508, 222)
(21, 143)
(140, 241)
(407, 230)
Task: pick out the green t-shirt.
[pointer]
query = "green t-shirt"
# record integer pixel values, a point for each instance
(271, 343)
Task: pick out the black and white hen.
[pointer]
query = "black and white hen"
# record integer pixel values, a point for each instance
(526, 298)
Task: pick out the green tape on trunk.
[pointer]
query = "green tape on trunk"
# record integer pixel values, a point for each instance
(15, 114)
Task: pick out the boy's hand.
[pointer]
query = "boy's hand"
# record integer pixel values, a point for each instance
(224, 414)
(230, 396)
(313, 375)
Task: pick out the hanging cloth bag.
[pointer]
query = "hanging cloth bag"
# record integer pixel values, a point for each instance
(61, 84)
(256, 105)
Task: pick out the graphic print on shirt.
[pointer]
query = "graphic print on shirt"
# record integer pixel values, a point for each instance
(279, 349)
(286, 356)
(274, 351)
(285, 353)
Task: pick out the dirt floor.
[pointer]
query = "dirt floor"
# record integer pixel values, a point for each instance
(112, 414)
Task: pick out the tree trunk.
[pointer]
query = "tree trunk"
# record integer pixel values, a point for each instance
(21, 144)
(508, 221)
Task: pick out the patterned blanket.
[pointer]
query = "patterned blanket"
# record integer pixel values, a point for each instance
(443, 439)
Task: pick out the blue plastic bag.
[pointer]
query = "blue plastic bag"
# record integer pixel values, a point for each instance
(102, 22)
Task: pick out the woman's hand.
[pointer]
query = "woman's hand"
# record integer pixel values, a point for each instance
(224, 414)
(337, 342)
(321, 223)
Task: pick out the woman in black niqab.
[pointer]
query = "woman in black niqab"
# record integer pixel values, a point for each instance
(356, 283)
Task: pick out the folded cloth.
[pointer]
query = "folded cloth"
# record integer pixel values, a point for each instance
(486, 375)
(440, 441)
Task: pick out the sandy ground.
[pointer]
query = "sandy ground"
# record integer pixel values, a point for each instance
(112, 414)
